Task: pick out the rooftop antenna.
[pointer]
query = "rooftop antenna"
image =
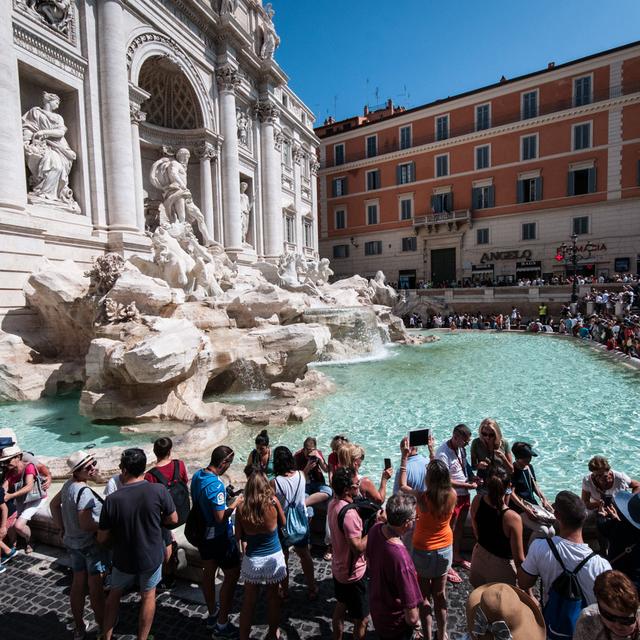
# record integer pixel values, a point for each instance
(377, 96)
(335, 106)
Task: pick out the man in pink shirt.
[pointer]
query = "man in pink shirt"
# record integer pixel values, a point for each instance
(348, 562)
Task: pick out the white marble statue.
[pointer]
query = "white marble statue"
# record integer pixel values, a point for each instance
(245, 208)
(381, 292)
(169, 175)
(57, 13)
(325, 271)
(269, 45)
(48, 154)
(228, 7)
(243, 128)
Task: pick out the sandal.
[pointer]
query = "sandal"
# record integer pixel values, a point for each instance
(453, 576)
(28, 549)
(465, 564)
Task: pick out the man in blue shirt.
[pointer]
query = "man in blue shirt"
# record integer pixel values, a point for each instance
(219, 549)
(416, 469)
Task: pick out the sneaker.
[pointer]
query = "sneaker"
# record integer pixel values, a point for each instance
(2, 568)
(228, 631)
(212, 619)
(182, 559)
(8, 556)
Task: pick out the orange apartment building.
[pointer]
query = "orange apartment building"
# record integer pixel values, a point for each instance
(489, 183)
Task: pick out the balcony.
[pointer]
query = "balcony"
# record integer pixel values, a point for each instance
(497, 120)
(434, 222)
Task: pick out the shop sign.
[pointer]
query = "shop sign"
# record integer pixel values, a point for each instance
(528, 263)
(482, 267)
(506, 255)
(590, 247)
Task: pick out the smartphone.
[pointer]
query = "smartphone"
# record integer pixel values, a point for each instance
(387, 463)
(419, 437)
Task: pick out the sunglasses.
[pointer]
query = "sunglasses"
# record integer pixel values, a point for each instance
(90, 465)
(627, 621)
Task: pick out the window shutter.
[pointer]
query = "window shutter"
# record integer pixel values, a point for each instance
(571, 184)
(450, 201)
(412, 171)
(520, 191)
(592, 180)
(474, 197)
(344, 186)
(492, 196)
(538, 188)
(433, 203)
(399, 174)
(334, 188)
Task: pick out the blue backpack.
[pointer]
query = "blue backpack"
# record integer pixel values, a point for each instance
(565, 601)
(296, 527)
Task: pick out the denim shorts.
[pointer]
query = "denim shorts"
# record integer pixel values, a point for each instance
(146, 581)
(91, 559)
(432, 564)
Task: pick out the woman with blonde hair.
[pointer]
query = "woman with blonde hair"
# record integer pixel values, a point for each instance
(490, 448)
(257, 520)
(351, 456)
(432, 542)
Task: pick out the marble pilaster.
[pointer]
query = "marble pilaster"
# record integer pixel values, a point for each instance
(206, 152)
(228, 79)
(268, 113)
(116, 123)
(137, 116)
(13, 183)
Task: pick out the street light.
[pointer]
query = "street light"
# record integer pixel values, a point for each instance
(570, 254)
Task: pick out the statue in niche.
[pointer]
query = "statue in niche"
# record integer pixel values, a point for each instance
(48, 154)
(245, 210)
(270, 44)
(56, 13)
(169, 175)
(243, 128)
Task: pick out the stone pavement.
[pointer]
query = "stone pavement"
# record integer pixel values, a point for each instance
(34, 603)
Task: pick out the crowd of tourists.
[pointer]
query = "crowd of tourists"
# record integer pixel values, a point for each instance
(394, 547)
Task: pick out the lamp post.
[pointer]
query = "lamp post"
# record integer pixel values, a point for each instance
(571, 254)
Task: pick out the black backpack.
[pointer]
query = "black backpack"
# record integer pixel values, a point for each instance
(366, 509)
(565, 599)
(178, 491)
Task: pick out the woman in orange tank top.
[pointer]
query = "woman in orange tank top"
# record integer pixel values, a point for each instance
(432, 541)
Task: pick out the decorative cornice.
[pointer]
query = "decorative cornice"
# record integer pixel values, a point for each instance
(567, 114)
(47, 50)
(228, 78)
(266, 111)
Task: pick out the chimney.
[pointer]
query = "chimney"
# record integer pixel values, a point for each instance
(551, 65)
(366, 109)
(390, 104)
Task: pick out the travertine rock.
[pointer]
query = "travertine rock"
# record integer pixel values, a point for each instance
(151, 295)
(58, 292)
(20, 379)
(263, 302)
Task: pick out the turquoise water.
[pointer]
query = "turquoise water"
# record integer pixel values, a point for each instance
(53, 427)
(567, 400)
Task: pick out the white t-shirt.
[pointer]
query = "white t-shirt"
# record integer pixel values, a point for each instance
(540, 561)
(456, 461)
(621, 482)
(113, 485)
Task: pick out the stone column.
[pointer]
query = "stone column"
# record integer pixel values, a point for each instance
(271, 145)
(13, 182)
(206, 152)
(137, 117)
(228, 79)
(116, 123)
(314, 165)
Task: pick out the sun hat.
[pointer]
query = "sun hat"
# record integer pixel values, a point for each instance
(79, 459)
(497, 610)
(10, 452)
(629, 505)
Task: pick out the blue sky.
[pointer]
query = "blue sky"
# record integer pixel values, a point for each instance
(343, 54)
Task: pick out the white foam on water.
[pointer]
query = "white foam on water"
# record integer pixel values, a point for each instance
(381, 353)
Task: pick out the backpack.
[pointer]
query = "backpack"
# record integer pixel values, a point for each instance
(195, 526)
(296, 526)
(565, 601)
(366, 509)
(178, 491)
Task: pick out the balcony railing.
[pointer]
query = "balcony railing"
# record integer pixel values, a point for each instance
(454, 220)
(496, 121)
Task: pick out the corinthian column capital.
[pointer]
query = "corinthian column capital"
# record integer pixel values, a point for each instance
(227, 78)
(136, 114)
(206, 151)
(266, 111)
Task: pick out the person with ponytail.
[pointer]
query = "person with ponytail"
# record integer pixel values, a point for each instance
(261, 455)
(432, 543)
(498, 530)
